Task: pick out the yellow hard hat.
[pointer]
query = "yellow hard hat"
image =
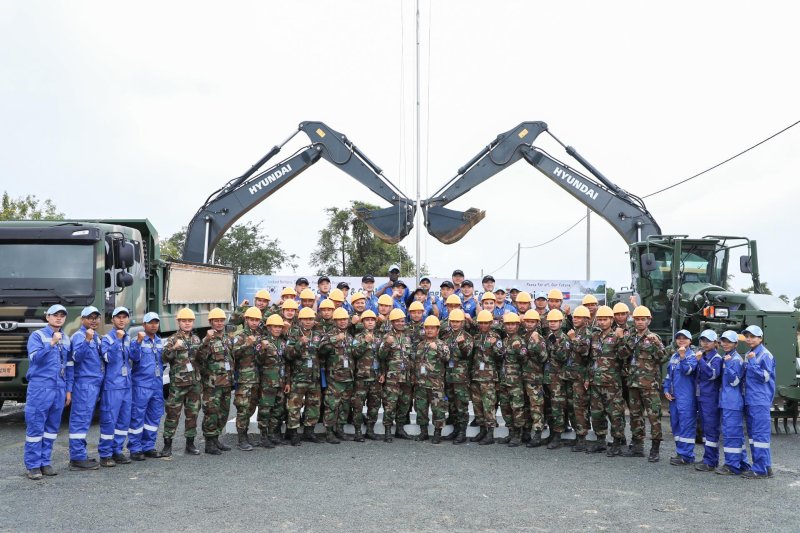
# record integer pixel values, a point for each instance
(524, 297)
(288, 291)
(263, 294)
(336, 295)
(589, 299)
(216, 313)
(307, 294)
(306, 312)
(275, 320)
(555, 314)
(453, 300)
(396, 314)
(531, 314)
(252, 312)
(620, 307)
(642, 311)
(555, 294)
(416, 306)
(290, 304)
(582, 311)
(327, 303)
(185, 314)
(511, 318)
(488, 295)
(456, 315)
(485, 316)
(369, 313)
(604, 311)
(341, 313)
(385, 299)
(431, 321)
(357, 296)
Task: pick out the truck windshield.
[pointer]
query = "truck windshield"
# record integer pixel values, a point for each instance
(61, 269)
(697, 265)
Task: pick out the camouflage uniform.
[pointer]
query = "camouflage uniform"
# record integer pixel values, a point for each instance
(574, 375)
(416, 331)
(644, 378)
(367, 388)
(533, 379)
(487, 351)
(184, 383)
(246, 366)
(457, 374)
(396, 365)
(510, 396)
(305, 376)
(272, 372)
(430, 372)
(558, 349)
(339, 363)
(237, 318)
(606, 384)
(215, 363)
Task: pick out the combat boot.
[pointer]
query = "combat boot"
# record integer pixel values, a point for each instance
(507, 438)
(536, 440)
(488, 438)
(310, 436)
(654, 446)
(452, 434)
(580, 444)
(598, 446)
(636, 449)
(330, 436)
(437, 436)
(387, 433)
(480, 435)
(616, 448)
(461, 437)
(358, 436)
(370, 434)
(265, 440)
(211, 448)
(222, 446)
(167, 450)
(339, 432)
(423, 433)
(244, 444)
(294, 436)
(555, 441)
(526, 436)
(191, 449)
(400, 432)
(514, 441)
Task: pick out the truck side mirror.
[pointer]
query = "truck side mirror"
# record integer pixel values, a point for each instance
(125, 257)
(124, 279)
(649, 262)
(745, 264)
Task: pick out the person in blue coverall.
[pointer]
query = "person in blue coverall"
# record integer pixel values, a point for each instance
(147, 390)
(680, 389)
(731, 403)
(709, 370)
(84, 379)
(759, 392)
(115, 399)
(46, 397)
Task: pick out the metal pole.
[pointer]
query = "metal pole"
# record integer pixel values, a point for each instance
(588, 244)
(419, 210)
(519, 247)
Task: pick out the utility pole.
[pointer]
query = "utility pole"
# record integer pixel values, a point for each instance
(588, 244)
(419, 210)
(519, 247)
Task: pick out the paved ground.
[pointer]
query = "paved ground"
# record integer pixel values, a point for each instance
(400, 486)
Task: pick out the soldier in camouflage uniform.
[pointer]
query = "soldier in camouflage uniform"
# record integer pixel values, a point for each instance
(367, 388)
(302, 351)
(396, 357)
(558, 350)
(261, 302)
(487, 352)
(415, 330)
(307, 298)
(338, 352)
(325, 316)
(647, 355)
(246, 367)
(621, 323)
(385, 305)
(273, 382)
(533, 376)
(214, 359)
(460, 345)
(431, 356)
(180, 350)
(606, 384)
(510, 395)
(575, 376)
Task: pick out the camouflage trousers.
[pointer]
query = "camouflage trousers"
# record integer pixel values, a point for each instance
(557, 402)
(337, 397)
(458, 402)
(280, 413)
(396, 401)
(577, 402)
(216, 404)
(645, 402)
(305, 396)
(187, 398)
(366, 393)
(246, 401)
(512, 405)
(434, 398)
(484, 403)
(534, 392)
(607, 402)
(268, 407)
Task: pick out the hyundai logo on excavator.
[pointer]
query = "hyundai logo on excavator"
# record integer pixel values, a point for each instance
(266, 180)
(575, 182)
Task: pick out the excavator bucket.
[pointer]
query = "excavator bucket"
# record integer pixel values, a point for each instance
(449, 226)
(391, 224)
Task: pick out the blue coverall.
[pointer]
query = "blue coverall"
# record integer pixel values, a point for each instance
(759, 391)
(731, 402)
(709, 370)
(680, 383)
(84, 380)
(115, 399)
(147, 394)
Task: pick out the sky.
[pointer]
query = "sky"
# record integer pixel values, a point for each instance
(120, 110)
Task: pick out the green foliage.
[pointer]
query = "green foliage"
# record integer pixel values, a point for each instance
(28, 208)
(346, 247)
(796, 302)
(610, 294)
(764, 289)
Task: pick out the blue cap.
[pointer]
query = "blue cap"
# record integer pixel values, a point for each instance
(149, 317)
(88, 310)
(540, 294)
(709, 334)
(754, 331)
(730, 336)
(55, 309)
(685, 333)
(119, 310)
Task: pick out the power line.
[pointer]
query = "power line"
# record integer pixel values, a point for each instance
(504, 264)
(557, 236)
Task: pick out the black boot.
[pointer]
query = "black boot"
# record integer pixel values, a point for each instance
(423, 433)
(167, 450)
(526, 436)
(514, 441)
(616, 448)
(221, 446)
(474, 423)
(358, 436)
(275, 436)
(310, 436)
(211, 447)
(598, 446)
(636, 449)
(536, 440)
(654, 446)
(387, 433)
(339, 432)
(480, 435)
(265, 440)
(244, 443)
(461, 437)
(488, 438)
(437, 436)
(190, 447)
(452, 434)
(400, 432)
(330, 436)
(370, 434)
(555, 441)
(580, 444)
(294, 436)
(506, 439)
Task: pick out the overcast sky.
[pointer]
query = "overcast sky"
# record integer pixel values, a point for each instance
(131, 110)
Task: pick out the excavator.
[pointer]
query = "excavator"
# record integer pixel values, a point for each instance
(683, 280)
(238, 196)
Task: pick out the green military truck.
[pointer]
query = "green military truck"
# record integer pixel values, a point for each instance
(104, 263)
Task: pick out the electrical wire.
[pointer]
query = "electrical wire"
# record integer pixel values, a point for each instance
(557, 236)
(504, 264)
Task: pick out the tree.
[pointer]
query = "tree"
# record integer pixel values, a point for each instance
(28, 208)
(346, 247)
(796, 302)
(243, 247)
(784, 298)
(764, 289)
